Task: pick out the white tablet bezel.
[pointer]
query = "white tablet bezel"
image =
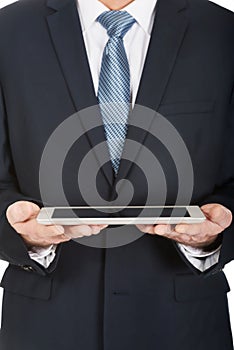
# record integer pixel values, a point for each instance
(45, 217)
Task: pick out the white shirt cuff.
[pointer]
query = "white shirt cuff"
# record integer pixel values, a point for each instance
(199, 258)
(43, 256)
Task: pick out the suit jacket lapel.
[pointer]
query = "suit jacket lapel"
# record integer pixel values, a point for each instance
(167, 35)
(66, 34)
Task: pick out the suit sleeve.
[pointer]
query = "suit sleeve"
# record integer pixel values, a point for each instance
(224, 193)
(12, 246)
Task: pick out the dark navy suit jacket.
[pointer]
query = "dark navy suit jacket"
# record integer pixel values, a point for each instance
(143, 295)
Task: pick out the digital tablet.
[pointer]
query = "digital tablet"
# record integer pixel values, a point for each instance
(131, 215)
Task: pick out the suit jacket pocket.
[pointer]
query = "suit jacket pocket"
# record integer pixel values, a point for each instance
(186, 108)
(29, 284)
(192, 287)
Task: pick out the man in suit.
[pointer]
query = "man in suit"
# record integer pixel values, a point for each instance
(165, 290)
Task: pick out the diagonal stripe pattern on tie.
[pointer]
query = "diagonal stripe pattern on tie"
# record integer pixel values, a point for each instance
(114, 82)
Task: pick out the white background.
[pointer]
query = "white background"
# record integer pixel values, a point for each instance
(229, 270)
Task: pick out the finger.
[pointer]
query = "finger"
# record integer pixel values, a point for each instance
(34, 229)
(59, 239)
(169, 232)
(73, 233)
(78, 230)
(100, 226)
(97, 228)
(46, 241)
(218, 218)
(192, 229)
(146, 228)
(21, 211)
(204, 228)
(163, 230)
(218, 214)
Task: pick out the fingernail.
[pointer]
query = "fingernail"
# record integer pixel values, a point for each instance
(60, 229)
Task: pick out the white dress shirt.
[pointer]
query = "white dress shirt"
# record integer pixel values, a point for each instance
(136, 43)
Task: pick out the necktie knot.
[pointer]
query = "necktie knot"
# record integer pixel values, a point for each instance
(117, 23)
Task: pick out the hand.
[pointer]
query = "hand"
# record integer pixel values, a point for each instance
(22, 217)
(218, 218)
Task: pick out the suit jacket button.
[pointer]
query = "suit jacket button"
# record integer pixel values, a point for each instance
(27, 268)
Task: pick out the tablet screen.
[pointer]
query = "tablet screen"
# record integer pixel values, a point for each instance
(128, 212)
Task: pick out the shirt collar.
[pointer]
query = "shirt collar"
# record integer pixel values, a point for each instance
(141, 10)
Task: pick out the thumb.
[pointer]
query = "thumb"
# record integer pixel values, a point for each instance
(21, 211)
(218, 214)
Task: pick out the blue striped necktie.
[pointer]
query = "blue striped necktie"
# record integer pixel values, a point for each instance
(114, 83)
